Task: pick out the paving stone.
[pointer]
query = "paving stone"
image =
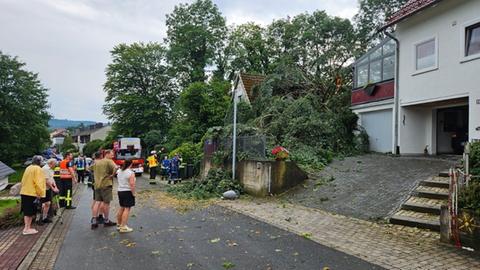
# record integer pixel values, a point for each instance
(390, 246)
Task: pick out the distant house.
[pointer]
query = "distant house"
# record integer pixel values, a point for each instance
(58, 136)
(244, 84)
(434, 105)
(5, 171)
(82, 136)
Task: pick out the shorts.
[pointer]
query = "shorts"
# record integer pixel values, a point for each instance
(126, 199)
(48, 196)
(28, 205)
(103, 194)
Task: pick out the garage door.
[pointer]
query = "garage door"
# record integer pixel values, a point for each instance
(378, 125)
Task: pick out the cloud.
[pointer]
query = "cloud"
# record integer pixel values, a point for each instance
(68, 42)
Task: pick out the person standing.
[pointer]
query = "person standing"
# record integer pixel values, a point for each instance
(67, 178)
(126, 195)
(81, 165)
(33, 188)
(50, 187)
(103, 171)
(165, 168)
(152, 166)
(174, 169)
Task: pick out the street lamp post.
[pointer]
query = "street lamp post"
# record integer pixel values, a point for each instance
(234, 140)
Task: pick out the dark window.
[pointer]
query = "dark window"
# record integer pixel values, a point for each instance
(472, 39)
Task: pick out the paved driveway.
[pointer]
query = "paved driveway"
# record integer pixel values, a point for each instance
(369, 186)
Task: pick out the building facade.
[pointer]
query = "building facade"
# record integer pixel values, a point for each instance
(87, 134)
(438, 91)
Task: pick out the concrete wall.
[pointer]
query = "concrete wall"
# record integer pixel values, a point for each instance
(262, 178)
(454, 77)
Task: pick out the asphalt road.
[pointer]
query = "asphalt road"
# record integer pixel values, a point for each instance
(210, 238)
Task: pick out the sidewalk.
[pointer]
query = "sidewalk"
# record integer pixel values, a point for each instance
(16, 250)
(390, 246)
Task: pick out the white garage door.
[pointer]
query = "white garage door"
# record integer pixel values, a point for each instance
(378, 125)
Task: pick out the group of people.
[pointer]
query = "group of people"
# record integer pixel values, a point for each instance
(40, 184)
(170, 168)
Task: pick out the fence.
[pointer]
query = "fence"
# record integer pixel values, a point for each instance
(251, 146)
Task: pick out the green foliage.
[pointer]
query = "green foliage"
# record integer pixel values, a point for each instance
(23, 111)
(475, 159)
(10, 215)
(201, 106)
(191, 153)
(17, 176)
(469, 197)
(216, 182)
(153, 139)
(67, 145)
(140, 93)
(371, 16)
(195, 35)
(91, 147)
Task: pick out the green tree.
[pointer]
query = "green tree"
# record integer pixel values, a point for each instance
(371, 16)
(140, 93)
(248, 49)
(201, 106)
(23, 111)
(91, 147)
(196, 35)
(67, 145)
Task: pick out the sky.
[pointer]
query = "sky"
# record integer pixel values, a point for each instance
(68, 42)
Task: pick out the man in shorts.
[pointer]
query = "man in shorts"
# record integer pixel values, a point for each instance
(51, 187)
(103, 171)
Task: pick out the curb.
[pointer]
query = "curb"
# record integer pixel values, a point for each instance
(28, 260)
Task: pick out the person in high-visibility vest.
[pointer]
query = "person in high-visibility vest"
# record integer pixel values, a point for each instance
(81, 165)
(152, 166)
(67, 178)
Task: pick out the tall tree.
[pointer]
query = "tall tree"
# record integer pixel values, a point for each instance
(371, 16)
(140, 92)
(201, 106)
(196, 36)
(248, 49)
(23, 111)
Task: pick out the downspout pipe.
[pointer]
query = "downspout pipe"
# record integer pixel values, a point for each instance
(396, 90)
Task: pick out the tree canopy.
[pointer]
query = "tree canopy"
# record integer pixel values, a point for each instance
(23, 111)
(195, 36)
(140, 92)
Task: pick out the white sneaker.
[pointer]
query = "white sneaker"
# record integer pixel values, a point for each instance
(125, 229)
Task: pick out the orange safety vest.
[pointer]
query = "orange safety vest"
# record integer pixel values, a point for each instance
(64, 172)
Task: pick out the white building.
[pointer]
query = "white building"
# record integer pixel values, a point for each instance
(87, 134)
(437, 101)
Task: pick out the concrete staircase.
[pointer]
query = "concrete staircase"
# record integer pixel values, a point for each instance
(422, 209)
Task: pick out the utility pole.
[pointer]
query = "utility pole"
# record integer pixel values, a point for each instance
(234, 141)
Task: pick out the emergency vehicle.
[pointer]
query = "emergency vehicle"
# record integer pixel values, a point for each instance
(129, 148)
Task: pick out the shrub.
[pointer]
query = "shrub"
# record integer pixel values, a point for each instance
(191, 153)
(469, 197)
(92, 147)
(475, 159)
(216, 182)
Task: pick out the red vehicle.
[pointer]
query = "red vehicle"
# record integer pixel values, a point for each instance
(129, 148)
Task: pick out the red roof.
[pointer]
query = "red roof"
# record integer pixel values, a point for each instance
(409, 9)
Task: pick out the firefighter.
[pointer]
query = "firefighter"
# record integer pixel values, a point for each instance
(67, 178)
(80, 165)
(152, 166)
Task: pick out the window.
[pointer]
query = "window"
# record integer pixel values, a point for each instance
(388, 67)
(376, 65)
(425, 55)
(472, 40)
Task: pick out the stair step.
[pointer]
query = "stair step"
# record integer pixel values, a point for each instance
(435, 183)
(431, 192)
(415, 222)
(427, 201)
(444, 174)
(422, 208)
